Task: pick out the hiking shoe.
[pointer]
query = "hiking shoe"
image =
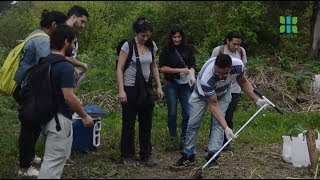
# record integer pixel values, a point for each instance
(36, 160)
(181, 143)
(184, 161)
(31, 171)
(128, 161)
(213, 163)
(227, 148)
(149, 161)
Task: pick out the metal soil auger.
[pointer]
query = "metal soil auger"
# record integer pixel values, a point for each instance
(197, 174)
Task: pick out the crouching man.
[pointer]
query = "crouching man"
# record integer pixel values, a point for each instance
(212, 90)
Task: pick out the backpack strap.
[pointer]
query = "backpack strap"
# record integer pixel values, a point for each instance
(152, 49)
(58, 126)
(129, 58)
(35, 35)
(55, 61)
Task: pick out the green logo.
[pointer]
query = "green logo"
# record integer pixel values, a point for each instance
(288, 24)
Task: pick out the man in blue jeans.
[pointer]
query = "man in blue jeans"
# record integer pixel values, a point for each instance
(212, 90)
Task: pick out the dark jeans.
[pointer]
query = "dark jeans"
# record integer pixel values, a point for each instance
(129, 113)
(230, 111)
(28, 137)
(174, 92)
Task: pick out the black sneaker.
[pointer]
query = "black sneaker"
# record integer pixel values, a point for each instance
(149, 161)
(181, 144)
(128, 161)
(227, 148)
(184, 161)
(213, 163)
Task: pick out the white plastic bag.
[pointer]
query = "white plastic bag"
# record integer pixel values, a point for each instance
(295, 150)
(316, 84)
(286, 149)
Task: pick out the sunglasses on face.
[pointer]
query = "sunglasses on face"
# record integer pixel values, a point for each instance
(144, 21)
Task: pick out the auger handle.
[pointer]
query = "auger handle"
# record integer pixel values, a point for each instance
(274, 106)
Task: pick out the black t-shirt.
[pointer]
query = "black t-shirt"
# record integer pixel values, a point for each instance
(62, 76)
(169, 57)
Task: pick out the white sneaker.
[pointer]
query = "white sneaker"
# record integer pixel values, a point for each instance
(30, 172)
(36, 160)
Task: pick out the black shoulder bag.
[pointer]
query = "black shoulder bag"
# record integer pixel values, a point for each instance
(142, 88)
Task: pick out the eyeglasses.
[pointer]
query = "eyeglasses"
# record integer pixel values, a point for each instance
(144, 21)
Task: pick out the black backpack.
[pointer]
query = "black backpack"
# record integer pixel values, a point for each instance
(38, 104)
(120, 44)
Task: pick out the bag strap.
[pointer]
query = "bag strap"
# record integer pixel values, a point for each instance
(58, 126)
(180, 57)
(138, 64)
(139, 73)
(35, 35)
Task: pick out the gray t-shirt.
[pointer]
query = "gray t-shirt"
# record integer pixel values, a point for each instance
(145, 61)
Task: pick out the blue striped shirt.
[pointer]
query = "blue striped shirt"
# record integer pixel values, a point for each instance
(208, 82)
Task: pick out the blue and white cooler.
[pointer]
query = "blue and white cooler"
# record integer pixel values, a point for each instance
(87, 138)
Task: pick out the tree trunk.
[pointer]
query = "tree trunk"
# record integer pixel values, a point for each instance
(315, 31)
(311, 143)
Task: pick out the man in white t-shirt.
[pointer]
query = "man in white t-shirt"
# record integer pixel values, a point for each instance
(234, 50)
(212, 90)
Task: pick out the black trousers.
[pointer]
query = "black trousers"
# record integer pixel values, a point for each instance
(28, 137)
(129, 113)
(230, 111)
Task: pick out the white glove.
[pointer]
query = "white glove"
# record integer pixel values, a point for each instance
(229, 133)
(191, 78)
(261, 102)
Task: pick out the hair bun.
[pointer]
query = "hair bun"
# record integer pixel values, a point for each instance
(44, 13)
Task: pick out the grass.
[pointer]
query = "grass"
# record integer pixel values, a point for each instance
(266, 129)
(262, 130)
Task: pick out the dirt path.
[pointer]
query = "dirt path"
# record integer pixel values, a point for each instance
(245, 162)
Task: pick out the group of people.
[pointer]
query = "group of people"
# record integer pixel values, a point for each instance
(217, 86)
(60, 43)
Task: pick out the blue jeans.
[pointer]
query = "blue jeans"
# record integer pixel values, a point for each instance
(198, 108)
(174, 92)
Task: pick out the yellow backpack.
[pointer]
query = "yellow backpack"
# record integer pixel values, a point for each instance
(10, 66)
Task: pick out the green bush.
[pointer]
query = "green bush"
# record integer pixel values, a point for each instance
(205, 23)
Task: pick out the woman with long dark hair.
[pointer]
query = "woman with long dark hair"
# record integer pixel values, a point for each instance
(177, 62)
